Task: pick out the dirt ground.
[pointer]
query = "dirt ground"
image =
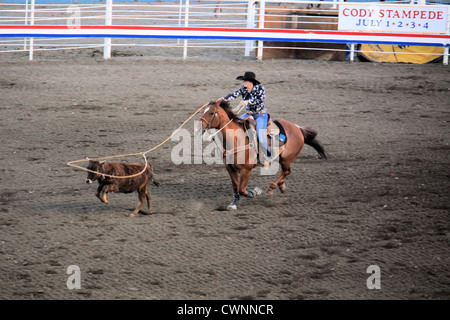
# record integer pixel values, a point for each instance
(382, 198)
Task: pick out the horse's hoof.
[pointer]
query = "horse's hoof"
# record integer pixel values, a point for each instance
(282, 187)
(269, 191)
(232, 206)
(257, 191)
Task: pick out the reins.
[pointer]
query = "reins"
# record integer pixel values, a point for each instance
(72, 163)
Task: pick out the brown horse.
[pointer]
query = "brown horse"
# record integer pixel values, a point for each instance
(239, 156)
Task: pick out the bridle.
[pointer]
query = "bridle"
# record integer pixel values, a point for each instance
(211, 137)
(208, 124)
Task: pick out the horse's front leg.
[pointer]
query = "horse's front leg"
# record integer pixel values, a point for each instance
(234, 175)
(245, 177)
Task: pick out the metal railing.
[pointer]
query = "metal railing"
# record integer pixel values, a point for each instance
(214, 18)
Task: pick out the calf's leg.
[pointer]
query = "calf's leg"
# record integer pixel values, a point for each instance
(142, 197)
(149, 200)
(101, 193)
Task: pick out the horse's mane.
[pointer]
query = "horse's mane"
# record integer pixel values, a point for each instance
(225, 105)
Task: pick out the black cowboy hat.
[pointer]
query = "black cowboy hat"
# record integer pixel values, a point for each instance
(249, 76)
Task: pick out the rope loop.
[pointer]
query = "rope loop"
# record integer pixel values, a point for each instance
(72, 163)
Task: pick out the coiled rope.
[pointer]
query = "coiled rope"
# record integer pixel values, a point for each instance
(72, 163)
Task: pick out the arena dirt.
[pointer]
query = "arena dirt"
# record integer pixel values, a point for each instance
(382, 197)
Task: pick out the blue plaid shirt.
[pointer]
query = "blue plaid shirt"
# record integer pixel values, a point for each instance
(255, 97)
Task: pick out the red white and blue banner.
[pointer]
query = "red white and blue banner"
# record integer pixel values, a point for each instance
(323, 36)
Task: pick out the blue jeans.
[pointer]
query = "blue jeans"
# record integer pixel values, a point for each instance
(261, 125)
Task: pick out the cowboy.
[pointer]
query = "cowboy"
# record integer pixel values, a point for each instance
(253, 94)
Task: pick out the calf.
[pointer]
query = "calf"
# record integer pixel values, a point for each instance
(139, 183)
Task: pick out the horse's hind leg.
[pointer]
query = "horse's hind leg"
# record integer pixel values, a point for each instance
(285, 171)
(282, 186)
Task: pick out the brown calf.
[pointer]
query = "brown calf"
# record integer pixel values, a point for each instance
(139, 183)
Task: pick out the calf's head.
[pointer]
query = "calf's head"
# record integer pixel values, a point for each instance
(94, 165)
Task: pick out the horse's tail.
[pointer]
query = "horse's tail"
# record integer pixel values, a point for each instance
(309, 135)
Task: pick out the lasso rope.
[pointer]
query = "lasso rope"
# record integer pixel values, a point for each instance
(72, 163)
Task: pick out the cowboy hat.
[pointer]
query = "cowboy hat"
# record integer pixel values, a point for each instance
(249, 76)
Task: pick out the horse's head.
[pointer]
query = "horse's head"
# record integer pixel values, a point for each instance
(210, 117)
(216, 115)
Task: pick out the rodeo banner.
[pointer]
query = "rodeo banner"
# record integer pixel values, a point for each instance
(393, 18)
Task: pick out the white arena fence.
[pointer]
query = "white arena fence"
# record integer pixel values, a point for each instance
(238, 25)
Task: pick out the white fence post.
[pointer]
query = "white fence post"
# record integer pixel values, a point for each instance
(446, 56)
(250, 24)
(108, 22)
(186, 24)
(352, 52)
(262, 11)
(32, 23)
(26, 22)
(180, 15)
